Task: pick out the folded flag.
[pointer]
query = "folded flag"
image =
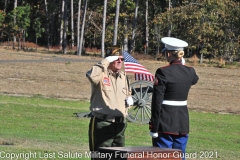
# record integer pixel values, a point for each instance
(131, 65)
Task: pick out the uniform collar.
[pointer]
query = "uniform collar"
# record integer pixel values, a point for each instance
(177, 61)
(114, 74)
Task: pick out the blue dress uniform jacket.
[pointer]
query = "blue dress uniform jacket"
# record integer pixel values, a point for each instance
(172, 84)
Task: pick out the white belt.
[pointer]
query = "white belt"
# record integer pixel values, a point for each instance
(175, 103)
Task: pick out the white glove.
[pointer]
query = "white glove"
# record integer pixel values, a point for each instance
(129, 101)
(111, 58)
(153, 135)
(183, 61)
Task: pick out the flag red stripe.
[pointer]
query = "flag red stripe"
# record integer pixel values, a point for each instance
(144, 77)
(132, 64)
(139, 72)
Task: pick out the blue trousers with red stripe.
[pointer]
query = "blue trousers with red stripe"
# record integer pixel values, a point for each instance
(171, 141)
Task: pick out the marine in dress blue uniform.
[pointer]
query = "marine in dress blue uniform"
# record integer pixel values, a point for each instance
(169, 125)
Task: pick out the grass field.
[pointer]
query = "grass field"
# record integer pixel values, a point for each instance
(46, 128)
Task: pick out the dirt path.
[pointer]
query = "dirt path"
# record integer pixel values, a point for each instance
(63, 76)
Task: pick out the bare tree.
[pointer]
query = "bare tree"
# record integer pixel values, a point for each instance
(52, 23)
(47, 24)
(5, 6)
(61, 25)
(116, 23)
(132, 46)
(72, 25)
(125, 41)
(103, 28)
(14, 36)
(65, 28)
(170, 25)
(78, 25)
(82, 29)
(147, 29)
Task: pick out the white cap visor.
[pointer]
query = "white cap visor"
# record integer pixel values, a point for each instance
(174, 43)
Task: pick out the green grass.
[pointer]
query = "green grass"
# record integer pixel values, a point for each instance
(44, 128)
(215, 132)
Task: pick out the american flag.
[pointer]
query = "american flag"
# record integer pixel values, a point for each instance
(131, 65)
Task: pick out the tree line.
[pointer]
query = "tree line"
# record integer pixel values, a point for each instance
(211, 27)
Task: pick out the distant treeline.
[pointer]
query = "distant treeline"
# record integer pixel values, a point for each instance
(211, 27)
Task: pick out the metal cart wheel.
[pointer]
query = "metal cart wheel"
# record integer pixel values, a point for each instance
(140, 112)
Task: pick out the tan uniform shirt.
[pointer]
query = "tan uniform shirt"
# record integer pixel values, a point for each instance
(108, 91)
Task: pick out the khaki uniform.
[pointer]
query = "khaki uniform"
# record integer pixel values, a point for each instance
(108, 92)
(108, 106)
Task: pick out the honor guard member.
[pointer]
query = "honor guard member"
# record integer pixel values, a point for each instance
(169, 124)
(110, 99)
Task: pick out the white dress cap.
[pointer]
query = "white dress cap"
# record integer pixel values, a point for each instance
(174, 43)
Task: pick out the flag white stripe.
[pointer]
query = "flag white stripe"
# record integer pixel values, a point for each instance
(137, 68)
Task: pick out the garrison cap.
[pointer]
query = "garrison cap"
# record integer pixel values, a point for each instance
(173, 43)
(113, 51)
